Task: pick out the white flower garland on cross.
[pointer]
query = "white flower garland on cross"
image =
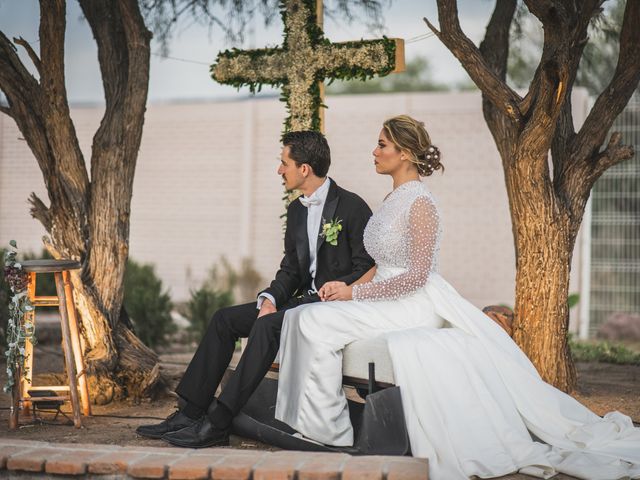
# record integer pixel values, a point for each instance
(304, 61)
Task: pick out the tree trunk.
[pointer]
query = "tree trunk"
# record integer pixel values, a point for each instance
(544, 241)
(119, 364)
(88, 214)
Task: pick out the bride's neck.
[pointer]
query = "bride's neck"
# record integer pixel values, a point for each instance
(404, 177)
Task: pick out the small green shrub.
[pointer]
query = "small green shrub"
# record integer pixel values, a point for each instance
(223, 286)
(203, 303)
(148, 306)
(604, 352)
(243, 282)
(249, 281)
(573, 299)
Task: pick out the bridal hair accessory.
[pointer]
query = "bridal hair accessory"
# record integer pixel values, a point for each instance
(429, 161)
(330, 231)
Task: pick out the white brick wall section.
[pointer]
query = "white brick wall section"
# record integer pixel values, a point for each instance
(189, 189)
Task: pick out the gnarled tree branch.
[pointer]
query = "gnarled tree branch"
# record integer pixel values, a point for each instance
(614, 153)
(16, 82)
(472, 60)
(616, 96)
(495, 50)
(548, 11)
(32, 54)
(565, 36)
(565, 130)
(563, 134)
(123, 45)
(40, 211)
(495, 45)
(52, 33)
(41, 112)
(61, 134)
(24, 96)
(123, 53)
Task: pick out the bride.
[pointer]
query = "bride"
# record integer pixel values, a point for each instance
(473, 402)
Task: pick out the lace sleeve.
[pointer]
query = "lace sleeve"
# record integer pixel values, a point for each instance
(422, 238)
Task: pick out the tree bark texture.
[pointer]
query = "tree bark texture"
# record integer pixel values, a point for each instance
(88, 213)
(549, 168)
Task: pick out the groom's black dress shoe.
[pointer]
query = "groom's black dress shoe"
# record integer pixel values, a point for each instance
(199, 435)
(176, 421)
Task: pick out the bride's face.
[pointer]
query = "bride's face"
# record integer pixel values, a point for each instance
(386, 156)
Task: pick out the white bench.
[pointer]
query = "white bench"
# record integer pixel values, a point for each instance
(366, 364)
(378, 422)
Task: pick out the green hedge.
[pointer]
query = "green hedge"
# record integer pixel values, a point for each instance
(604, 352)
(148, 304)
(204, 302)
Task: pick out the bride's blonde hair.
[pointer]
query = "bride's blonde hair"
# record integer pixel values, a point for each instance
(410, 136)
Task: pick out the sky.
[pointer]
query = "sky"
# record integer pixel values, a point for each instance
(185, 76)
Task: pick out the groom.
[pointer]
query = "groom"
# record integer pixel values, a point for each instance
(309, 261)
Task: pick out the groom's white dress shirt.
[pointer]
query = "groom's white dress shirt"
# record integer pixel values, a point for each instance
(315, 204)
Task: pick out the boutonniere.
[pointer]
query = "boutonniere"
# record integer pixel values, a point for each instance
(330, 231)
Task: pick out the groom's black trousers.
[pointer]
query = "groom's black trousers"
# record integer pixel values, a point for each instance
(200, 380)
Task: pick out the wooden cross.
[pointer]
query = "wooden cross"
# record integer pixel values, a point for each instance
(304, 61)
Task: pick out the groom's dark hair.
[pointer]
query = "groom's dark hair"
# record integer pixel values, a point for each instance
(311, 148)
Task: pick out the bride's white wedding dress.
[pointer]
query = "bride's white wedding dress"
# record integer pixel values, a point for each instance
(472, 400)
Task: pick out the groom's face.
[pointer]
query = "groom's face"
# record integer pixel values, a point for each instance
(291, 173)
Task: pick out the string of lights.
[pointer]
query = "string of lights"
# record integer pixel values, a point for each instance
(418, 38)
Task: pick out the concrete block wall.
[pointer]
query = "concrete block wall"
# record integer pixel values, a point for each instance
(206, 185)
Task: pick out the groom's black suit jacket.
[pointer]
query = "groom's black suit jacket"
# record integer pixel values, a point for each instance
(346, 262)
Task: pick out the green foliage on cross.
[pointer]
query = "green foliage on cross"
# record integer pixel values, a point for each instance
(305, 59)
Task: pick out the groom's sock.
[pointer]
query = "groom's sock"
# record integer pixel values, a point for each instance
(221, 416)
(192, 411)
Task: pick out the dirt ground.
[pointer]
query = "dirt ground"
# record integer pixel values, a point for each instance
(601, 387)
(113, 424)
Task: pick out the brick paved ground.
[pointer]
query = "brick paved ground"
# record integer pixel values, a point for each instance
(28, 459)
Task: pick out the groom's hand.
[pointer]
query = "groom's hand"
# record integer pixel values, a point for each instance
(266, 308)
(331, 291)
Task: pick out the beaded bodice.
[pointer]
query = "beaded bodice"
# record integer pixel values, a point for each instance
(403, 233)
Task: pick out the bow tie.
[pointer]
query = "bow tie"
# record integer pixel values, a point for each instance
(307, 202)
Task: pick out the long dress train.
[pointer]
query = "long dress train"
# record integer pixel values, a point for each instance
(472, 400)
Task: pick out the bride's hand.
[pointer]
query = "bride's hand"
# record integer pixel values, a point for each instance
(327, 289)
(331, 291)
